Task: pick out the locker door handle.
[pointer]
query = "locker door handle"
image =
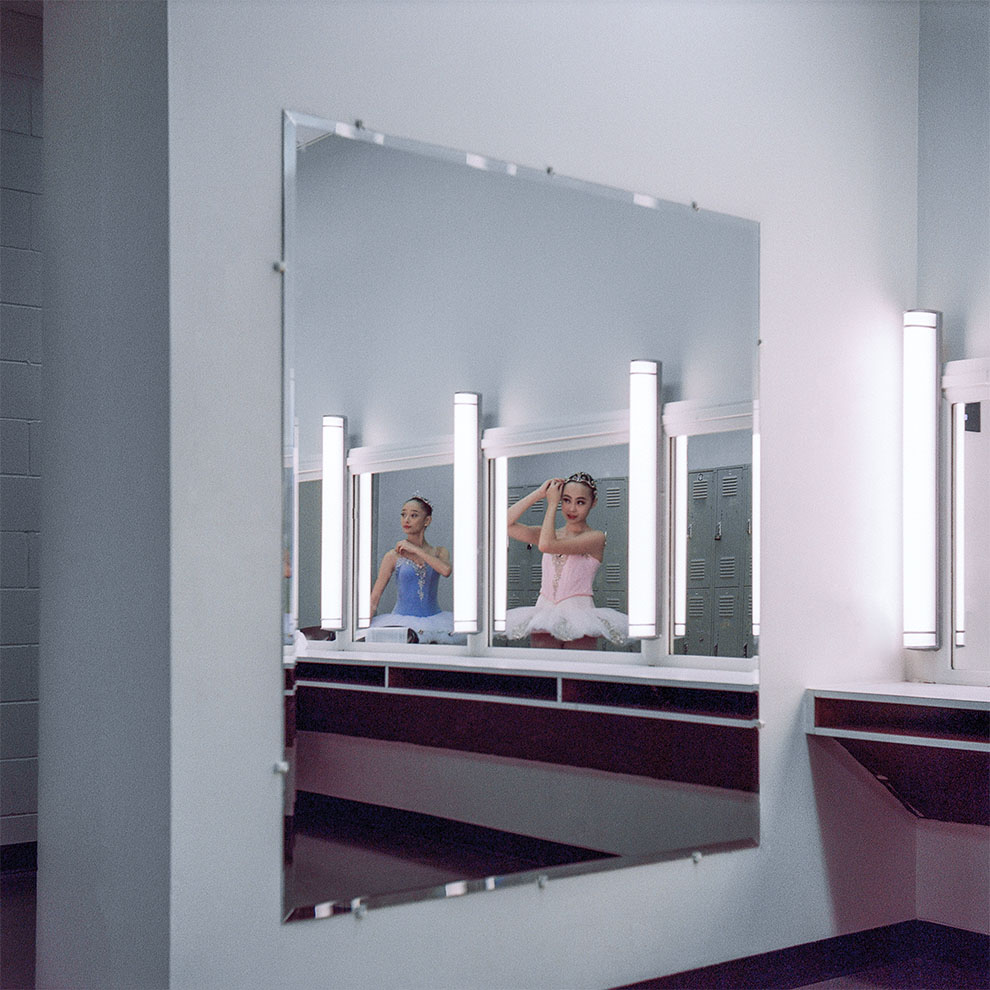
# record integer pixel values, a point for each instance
(718, 530)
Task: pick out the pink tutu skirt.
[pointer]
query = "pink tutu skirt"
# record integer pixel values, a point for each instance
(572, 618)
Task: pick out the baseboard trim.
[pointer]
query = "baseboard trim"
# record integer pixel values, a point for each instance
(19, 856)
(814, 962)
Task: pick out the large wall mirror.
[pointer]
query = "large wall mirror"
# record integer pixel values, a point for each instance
(967, 387)
(413, 271)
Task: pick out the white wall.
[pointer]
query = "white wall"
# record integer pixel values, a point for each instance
(20, 414)
(801, 116)
(103, 755)
(953, 181)
(954, 276)
(443, 277)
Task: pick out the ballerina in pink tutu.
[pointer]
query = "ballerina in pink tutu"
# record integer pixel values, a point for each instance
(564, 616)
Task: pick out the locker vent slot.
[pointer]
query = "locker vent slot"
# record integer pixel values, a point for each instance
(730, 485)
(696, 569)
(515, 573)
(613, 601)
(613, 498)
(613, 572)
(699, 489)
(726, 606)
(536, 573)
(727, 568)
(696, 607)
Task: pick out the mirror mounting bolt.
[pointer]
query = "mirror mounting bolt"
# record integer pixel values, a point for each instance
(279, 266)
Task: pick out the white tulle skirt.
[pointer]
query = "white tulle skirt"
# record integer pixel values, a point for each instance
(437, 628)
(573, 618)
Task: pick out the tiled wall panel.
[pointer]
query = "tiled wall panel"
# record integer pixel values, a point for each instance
(20, 413)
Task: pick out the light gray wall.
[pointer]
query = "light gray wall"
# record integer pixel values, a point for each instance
(20, 415)
(954, 173)
(720, 450)
(801, 116)
(953, 861)
(104, 757)
(444, 277)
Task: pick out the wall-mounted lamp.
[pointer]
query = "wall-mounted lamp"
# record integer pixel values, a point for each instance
(467, 408)
(332, 544)
(921, 396)
(644, 435)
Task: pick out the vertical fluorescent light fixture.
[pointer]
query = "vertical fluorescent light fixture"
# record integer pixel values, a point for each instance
(680, 535)
(755, 532)
(644, 392)
(466, 418)
(959, 522)
(294, 553)
(500, 542)
(920, 480)
(332, 544)
(363, 579)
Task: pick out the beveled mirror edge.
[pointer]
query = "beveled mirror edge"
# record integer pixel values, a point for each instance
(359, 906)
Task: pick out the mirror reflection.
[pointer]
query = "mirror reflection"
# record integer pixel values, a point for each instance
(712, 535)
(408, 587)
(567, 523)
(420, 772)
(971, 537)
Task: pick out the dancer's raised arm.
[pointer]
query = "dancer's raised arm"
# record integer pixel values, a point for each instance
(519, 531)
(577, 502)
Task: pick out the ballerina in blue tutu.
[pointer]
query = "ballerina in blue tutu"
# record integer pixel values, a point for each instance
(417, 567)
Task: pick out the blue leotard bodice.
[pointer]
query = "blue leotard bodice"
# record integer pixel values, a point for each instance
(417, 588)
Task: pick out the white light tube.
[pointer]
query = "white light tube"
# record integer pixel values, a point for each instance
(500, 542)
(644, 391)
(920, 478)
(680, 534)
(466, 460)
(755, 533)
(332, 543)
(364, 562)
(959, 522)
(294, 551)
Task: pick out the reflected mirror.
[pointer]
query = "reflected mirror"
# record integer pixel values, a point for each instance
(404, 591)
(561, 600)
(411, 271)
(712, 539)
(971, 536)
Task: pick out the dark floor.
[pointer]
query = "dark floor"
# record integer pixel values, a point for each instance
(17, 929)
(926, 957)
